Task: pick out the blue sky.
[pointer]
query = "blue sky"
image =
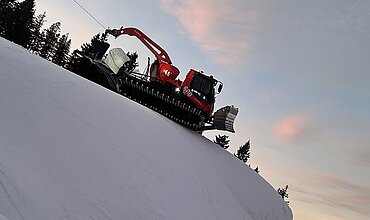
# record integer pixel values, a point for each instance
(299, 72)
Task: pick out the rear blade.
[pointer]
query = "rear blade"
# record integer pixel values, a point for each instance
(224, 118)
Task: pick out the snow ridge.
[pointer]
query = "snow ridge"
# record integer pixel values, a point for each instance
(70, 149)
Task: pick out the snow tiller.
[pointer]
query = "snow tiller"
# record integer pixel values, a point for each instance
(189, 102)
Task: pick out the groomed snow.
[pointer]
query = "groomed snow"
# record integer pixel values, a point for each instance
(70, 149)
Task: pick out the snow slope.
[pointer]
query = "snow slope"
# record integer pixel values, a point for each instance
(70, 149)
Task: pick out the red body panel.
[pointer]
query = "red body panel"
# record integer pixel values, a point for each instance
(169, 73)
(205, 107)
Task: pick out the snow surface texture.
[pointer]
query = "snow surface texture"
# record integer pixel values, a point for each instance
(70, 149)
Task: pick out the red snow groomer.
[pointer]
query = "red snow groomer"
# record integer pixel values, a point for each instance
(189, 102)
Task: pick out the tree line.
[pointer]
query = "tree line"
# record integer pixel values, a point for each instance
(243, 154)
(19, 24)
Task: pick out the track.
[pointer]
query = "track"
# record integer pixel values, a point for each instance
(171, 107)
(153, 97)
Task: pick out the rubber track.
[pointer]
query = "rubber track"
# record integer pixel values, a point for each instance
(134, 84)
(139, 90)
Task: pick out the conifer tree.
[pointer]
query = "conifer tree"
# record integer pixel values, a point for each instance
(74, 61)
(82, 67)
(283, 192)
(50, 39)
(7, 8)
(90, 48)
(62, 48)
(257, 170)
(16, 20)
(5, 5)
(36, 33)
(222, 140)
(243, 152)
(132, 64)
(20, 32)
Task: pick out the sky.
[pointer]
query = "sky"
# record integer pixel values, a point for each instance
(297, 70)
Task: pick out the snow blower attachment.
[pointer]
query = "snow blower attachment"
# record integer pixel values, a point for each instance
(189, 102)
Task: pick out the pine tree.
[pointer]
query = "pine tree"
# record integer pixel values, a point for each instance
(283, 192)
(23, 17)
(5, 5)
(257, 170)
(16, 20)
(243, 152)
(62, 50)
(132, 64)
(7, 8)
(36, 33)
(74, 61)
(91, 49)
(222, 140)
(50, 39)
(94, 49)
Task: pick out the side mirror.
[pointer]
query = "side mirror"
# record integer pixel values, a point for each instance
(219, 87)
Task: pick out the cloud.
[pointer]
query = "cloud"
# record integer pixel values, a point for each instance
(339, 184)
(220, 27)
(355, 15)
(335, 192)
(293, 129)
(360, 155)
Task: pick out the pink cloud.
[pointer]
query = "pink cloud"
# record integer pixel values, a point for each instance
(293, 129)
(197, 16)
(208, 24)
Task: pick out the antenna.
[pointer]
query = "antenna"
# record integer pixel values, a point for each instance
(89, 14)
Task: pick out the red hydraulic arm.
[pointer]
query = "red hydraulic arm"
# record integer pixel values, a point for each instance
(164, 70)
(158, 51)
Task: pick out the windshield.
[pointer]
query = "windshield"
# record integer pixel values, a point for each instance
(203, 87)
